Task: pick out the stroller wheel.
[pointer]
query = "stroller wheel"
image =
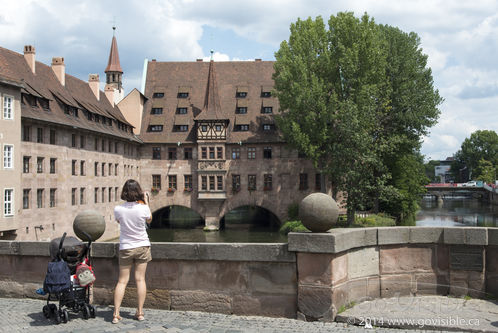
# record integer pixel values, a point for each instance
(53, 308)
(86, 312)
(46, 311)
(57, 317)
(92, 310)
(64, 316)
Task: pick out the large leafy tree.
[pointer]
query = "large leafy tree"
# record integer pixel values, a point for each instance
(482, 145)
(339, 91)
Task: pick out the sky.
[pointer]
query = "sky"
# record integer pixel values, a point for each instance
(460, 37)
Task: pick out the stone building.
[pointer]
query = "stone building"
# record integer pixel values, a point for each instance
(202, 135)
(73, 148)
(210, 141)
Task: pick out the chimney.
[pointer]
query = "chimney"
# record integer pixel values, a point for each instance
(94, 83)
(257, 59)
(29, 56)
(59, 69)
(109, 93)
(199, 60)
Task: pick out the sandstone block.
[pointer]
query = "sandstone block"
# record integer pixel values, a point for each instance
(476, 236)
(105, 250)
(315, 268)
(363, 262)
(265, 305)
(454, 236)
(212, 275)
(421, 235)
(395, 285)
(28, 248)
(492, 236)
(393, 235)
(406, 259)
(197, 300)
(373, 287)
(278, 278)
(431, 284)
(315, 302)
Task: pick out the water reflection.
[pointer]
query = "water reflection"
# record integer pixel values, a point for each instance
(246, 224)
(457, 212)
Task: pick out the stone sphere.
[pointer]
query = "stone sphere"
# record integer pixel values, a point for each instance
(318, 212)
(90, 222)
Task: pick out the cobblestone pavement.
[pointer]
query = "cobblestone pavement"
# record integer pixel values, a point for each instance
(25, 315)
(428, 312)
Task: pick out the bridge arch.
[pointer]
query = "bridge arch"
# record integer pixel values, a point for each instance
(249, 216)
(176, 217)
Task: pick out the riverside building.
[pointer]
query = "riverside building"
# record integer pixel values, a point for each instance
(202, 135)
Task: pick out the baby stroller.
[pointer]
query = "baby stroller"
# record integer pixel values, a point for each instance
(70, 260)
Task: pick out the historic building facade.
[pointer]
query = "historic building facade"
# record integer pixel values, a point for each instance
(202, 135)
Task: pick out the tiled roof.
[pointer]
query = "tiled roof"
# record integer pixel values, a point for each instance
(76, 93)
(231, 77)
(113, 64)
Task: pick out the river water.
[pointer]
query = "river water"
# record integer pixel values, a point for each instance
(457, 212)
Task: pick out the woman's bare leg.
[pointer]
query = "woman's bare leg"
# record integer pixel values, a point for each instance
(141, 286)
(124, 276)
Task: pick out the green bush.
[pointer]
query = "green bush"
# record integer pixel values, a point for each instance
(292, 226)
(293, 212)
(375, 220)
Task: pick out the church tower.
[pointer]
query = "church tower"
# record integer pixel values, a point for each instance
(114, 85)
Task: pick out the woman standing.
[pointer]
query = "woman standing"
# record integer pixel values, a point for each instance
(134, 244)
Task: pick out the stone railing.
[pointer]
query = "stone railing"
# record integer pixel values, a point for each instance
(311, 277)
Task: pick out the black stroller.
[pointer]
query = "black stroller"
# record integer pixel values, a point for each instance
(70, 252)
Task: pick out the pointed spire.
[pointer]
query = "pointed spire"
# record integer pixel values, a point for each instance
(212, 107)
(113, 65)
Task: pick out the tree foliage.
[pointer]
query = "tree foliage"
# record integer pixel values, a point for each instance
(482, 145)
(356, 98)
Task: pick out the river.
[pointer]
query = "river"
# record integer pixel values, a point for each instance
(457, 212)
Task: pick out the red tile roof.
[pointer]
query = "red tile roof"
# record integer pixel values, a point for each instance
(76, 93)
(202, 81)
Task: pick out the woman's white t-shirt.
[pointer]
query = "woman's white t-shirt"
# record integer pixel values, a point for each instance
(132, 218)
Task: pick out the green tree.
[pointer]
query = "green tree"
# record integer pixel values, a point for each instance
(485, 171)
(482, 144)
(338, 89)
(430, 171)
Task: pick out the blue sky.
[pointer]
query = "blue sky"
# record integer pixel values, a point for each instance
(460, 38)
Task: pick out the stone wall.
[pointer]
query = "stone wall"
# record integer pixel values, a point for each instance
(312, 277)
(348, 266)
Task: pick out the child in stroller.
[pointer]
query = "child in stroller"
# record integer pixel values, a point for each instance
(68, 280)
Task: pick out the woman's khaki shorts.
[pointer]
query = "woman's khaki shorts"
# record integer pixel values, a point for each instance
(137, 255)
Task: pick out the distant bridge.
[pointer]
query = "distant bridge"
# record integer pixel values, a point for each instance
(482, 191)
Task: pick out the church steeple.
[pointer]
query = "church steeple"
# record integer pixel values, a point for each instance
(114, 72)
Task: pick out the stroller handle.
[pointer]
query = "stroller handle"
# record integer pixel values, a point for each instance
(59, 253)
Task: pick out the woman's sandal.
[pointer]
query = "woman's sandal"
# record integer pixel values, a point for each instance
(116, 319)
(139, 316)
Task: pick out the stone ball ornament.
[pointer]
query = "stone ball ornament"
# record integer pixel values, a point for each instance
(318, 212)
(89, 223)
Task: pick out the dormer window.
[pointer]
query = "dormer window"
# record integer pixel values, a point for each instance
(267, 109)
(268, 127)
(181, 110)
(155, 128)
(158, 95)
(265, 94)
(180, 128)
(183, 92)
(182, 95)
(241, 128)
(241, 92)
(156, 111)
(44, 104)
(241, 110)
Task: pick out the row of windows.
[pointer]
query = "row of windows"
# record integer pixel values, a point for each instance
(8, 108)
(78, 196)
(238, 110)
(204, 128)
(238, 94)
(215, 182)
(78, 141)
(112, 168)
(34, 101)
(211, 153)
